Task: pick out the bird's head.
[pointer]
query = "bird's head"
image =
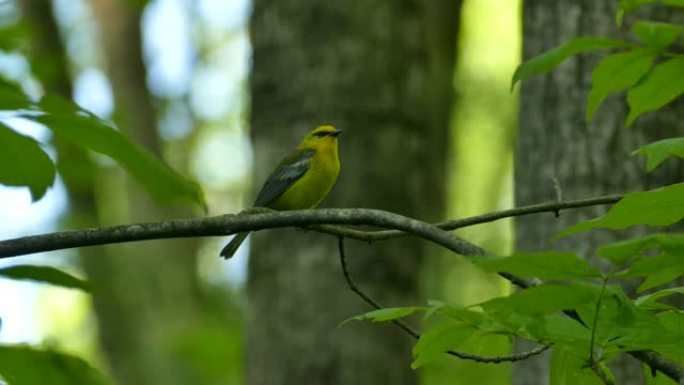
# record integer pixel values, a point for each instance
(321, 136)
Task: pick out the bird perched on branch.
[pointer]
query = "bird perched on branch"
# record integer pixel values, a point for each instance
(301, 180)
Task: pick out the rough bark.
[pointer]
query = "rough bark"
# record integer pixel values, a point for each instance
(556, 143)
(380, 70)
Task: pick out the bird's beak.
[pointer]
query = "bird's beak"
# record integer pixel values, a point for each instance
(335, 133)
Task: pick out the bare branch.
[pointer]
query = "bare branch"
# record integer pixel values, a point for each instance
(552, 207)
(230, 224)
(413, 333)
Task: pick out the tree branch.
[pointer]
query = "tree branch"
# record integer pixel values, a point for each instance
(413, 333)
(552, 207)
(230, 224)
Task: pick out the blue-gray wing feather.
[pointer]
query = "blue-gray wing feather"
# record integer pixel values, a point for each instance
(288, 171)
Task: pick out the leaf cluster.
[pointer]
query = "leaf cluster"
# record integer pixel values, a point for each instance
(28, 164)
(581, 310)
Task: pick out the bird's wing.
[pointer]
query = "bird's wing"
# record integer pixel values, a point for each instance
(288, 171)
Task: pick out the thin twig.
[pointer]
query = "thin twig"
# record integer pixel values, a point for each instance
(412, 332)
(592, 361)
(594, 322)
(559, 194)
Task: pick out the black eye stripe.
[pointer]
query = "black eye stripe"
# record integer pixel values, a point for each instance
(321, 133)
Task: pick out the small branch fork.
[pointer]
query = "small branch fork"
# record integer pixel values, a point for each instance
(319, 220)
(413, 333)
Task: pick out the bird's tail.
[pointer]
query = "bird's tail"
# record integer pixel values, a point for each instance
(233, 245)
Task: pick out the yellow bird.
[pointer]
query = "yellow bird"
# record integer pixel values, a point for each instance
(301, 180)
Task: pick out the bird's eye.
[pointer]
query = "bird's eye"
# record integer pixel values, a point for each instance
(320, 134)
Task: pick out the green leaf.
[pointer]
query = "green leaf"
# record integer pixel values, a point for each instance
(12, 35)
(538, 300)
(568, 367)
(657, 152)
(386, 314)
(437, 340)
(626, 6)
(661, 85)
(44, 274)
(544, 265)
(24, 163)
(649, 299)
(660, 207)
(633, 5)
(673, 321)
(12, 97)
(559, 329)
(548, 60)
(85, 130)
(656, 34)
(28, 366)
(466, 316)
(615, 73)
(631, 327)
(658, 270)
(621, 252)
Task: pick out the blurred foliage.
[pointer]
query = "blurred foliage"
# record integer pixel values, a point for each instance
(44, 274)
(26, 163)
(213, 352)
(30, 366)
(86, 130)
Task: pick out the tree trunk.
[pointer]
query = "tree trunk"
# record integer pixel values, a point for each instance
(556, 144)
(382, 71)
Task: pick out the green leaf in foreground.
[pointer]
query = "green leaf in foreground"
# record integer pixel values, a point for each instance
(626, 6)
(656, 34)
(568, 367)
(660, 207)
(657, 270)
(386, 314)
(630, 327)
(28, 366)
(24, 163)
(437, 340)
(621, 252)
(12, 97)
(673, 321)
(650, 299)
(44, 274)
(657, 152)
(86, 130)
(544, 265)
(548, 60)
(538, 300)
(661, 85)
(615, 73)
